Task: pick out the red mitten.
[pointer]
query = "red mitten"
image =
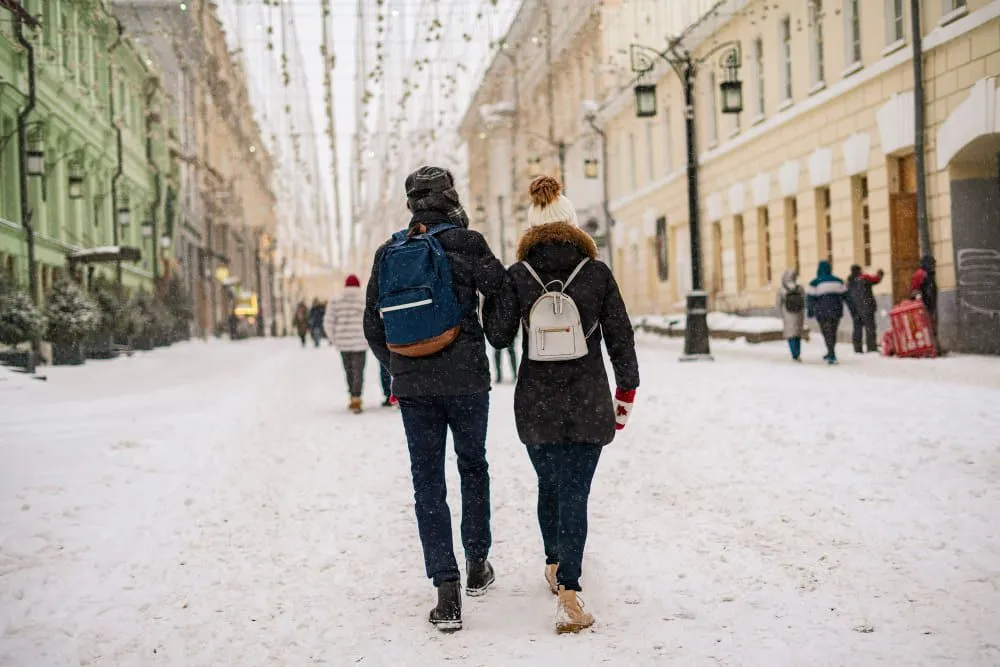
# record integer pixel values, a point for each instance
(623, 406)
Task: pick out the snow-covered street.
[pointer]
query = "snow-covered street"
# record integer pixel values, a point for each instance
(215, 504)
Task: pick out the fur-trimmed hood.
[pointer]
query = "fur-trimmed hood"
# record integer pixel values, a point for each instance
(553, 233)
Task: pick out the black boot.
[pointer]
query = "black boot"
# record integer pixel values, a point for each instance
(481, 577)
(447, 615)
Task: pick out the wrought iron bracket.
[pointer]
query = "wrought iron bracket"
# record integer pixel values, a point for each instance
(643, 58)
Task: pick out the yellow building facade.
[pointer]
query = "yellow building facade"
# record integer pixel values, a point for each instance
(821, 162)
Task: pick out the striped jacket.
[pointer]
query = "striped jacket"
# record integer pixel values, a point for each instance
(826, 295)
(345, 321)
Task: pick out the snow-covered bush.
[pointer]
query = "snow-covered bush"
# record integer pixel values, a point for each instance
(179, 305)
(70, 314)
(20, 321)
(141, 309)
(115, 318)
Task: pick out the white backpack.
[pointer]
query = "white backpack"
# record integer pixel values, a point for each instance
(554, 330)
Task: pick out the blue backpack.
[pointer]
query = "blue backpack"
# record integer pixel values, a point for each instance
(416, 297)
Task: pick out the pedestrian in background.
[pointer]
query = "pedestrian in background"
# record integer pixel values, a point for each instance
(861, 297)
(301, 321)
(825, 300)
(444, 390)
(923, 286)
(316, 314)
(344, 325)
(791, 304)
(564, 409)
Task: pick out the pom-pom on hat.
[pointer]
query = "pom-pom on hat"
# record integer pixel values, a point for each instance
(548, 203)
(352, 281)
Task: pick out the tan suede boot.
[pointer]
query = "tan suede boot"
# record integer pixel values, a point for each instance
(570, 616)
(550, 577)
(356, 406)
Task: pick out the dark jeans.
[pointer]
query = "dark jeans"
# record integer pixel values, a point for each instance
(317, 335)
(386, 381)
(829, 329)
(564, 476)
(864, 327)
(354, 369)
(302, 337)
(795, 346)
(426, 420)
(498, 362)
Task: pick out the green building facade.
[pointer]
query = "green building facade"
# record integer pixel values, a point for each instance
(91, 81)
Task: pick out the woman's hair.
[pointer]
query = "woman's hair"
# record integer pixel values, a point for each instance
(544, 190)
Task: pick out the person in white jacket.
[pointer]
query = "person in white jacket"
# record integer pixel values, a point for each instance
(344, 326)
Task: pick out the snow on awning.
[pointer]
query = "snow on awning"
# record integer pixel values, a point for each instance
(104, 254)
(15, 8)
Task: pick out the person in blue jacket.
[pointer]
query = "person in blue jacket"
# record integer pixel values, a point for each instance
(825, 301)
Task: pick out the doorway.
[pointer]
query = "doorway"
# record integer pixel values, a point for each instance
(904, 237)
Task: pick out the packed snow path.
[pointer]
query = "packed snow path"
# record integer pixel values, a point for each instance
(214, 505)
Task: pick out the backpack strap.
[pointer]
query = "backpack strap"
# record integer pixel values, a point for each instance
(564, 284)
(575, 272)
(535, 276)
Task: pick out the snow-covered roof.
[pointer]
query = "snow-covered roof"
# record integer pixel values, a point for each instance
(106, 254)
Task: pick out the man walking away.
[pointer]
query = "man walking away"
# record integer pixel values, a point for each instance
(923, 286)
(862, 304)
(344, 326)
(825, 301)
(316, 315)
(447, 388)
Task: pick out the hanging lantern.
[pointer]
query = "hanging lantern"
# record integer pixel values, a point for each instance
(590, 168)
(164, 241)
(645, 100)
(731, 86)
(534, 167)
(147, 229)
(76, 179)
(124, 216)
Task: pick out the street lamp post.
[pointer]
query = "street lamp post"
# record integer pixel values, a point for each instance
(696, 335)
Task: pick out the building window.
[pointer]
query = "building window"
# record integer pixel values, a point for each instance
(633, 182)
(738, 241)
(785, 33)
(792, 233)
(662, 250)
(862, 221)
(668, 154)
(764, 246)
(713, 116)
(758, 52)
(954, 5)
(650, 153)
(816, 30)
(895, 21)
(65, 36)
(718, 275)
(824, 223)
(852, 31)
(83, 57)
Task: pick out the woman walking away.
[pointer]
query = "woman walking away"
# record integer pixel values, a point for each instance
(344, 324)
(301, 321)
(791, 305)
(826, 297)
(563, 406)
(316, 315)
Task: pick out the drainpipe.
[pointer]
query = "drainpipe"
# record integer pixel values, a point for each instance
(157, 185)
(118, 132)
(923, 226)
(22, 149)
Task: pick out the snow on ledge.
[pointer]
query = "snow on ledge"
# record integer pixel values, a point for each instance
(717, 321)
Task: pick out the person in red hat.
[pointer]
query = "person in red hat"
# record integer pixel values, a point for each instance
(344, 326)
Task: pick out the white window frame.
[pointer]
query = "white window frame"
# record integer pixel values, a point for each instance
(713, 115)
(817, 46)
(895, 23)
(785, 44)
(853, 50)
(758, 46)
(953, 9)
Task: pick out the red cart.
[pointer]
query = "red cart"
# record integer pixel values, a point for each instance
(912, 335)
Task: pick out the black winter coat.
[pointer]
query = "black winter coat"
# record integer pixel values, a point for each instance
(462, 367)
(559, 402)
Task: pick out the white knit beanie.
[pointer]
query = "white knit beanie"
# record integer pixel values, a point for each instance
(548, 204)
